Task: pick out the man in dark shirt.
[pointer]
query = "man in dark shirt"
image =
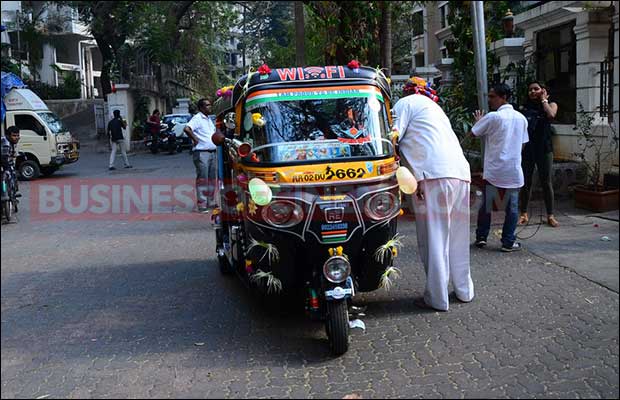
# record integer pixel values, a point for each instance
(115, 132)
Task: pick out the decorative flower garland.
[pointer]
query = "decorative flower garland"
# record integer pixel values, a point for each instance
(226, 91)
(417, 85)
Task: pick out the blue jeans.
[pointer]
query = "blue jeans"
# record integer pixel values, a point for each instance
(507, 199)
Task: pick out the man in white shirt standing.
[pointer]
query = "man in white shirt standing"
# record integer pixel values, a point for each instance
(200, 129)
(430, 148)
(504, 133)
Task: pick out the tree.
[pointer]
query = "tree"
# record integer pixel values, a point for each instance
(111, 23)
(461, 46)
(183, 35)
(385, 34)
(351, 30)
(300, 34)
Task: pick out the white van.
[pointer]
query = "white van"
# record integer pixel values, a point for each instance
(45, 142)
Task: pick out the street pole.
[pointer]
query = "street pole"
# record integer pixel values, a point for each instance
(19, 46)
(480, 53)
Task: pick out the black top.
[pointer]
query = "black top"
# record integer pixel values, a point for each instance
(115, 128)
(538, 129)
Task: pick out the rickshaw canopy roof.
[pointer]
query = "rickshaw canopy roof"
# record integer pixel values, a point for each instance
(295, 77)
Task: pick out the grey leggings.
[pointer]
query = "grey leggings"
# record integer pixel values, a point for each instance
(544, 164)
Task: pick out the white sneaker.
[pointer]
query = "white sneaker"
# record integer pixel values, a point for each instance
(516, 246)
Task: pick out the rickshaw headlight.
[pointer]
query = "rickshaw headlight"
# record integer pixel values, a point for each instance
(337, 269)
(381, 205)
(282, 213)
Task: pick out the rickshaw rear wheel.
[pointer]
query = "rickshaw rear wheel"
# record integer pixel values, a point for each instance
(337, 326)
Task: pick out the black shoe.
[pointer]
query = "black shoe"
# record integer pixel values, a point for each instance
(18, 195)
(515, 247)
(480, 243)
(112, 168)
(128, 166)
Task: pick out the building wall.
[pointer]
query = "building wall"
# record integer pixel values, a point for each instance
(616, 116)
(46, 73)
(591, 34)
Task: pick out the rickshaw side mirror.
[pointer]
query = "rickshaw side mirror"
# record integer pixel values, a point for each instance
(218, 138)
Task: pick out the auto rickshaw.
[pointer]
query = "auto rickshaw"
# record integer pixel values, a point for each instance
(308, 188)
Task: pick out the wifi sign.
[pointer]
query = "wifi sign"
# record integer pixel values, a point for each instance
(314, 72)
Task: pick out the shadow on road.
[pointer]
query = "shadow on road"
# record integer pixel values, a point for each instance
(137, 309)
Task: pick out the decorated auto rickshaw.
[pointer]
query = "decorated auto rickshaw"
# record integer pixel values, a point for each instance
(308, 188)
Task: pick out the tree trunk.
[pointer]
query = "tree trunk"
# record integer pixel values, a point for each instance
(107, 58)
(300, 35)
(385, 36)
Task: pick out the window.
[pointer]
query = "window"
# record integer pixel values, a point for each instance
(556, 67)
(419, 60)
(417, 23)
(319, 128)
(53, 122)
(443, 16)
(29, 123)
(444, 53)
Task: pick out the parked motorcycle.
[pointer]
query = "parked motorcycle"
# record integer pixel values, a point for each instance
(171, 142)
(159, 141)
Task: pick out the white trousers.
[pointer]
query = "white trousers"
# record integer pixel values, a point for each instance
(442, 223)
(120, 143)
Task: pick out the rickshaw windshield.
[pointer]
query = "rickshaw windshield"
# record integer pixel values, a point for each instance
(290, 125)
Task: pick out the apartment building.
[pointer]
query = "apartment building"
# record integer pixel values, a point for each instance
(570, 45)
(67, 48)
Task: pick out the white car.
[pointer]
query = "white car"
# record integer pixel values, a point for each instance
(177, 122)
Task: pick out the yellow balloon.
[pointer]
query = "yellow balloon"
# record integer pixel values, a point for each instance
(406, 181)
(260, 191)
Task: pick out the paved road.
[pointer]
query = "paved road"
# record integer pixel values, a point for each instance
(138, 308)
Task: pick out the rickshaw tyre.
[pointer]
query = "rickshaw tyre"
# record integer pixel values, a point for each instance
(7, 210)
(225, 267)
(337, 326)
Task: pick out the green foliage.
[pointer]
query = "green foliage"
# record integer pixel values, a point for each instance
(71, 87)
(525, 72)
(141, 114)
(7, 63)
(351, 30)
(594, 150)
(462, 48)
(51, 92)
(405, 23)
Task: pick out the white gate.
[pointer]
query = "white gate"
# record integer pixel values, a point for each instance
(101, 114)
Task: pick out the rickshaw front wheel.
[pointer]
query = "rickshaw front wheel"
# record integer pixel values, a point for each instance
(337, 326)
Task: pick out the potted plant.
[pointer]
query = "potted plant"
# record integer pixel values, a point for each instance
(595, 152)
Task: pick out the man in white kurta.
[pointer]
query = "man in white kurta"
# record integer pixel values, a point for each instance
(430, 148)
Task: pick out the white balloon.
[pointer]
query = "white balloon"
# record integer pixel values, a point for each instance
(260, 191)
(406, 181)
